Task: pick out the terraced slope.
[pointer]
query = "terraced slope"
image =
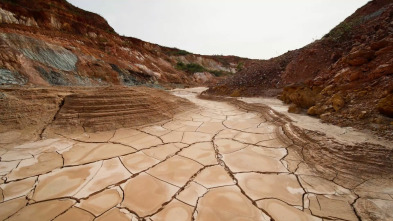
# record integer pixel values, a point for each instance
(111, 108)
(33, 112)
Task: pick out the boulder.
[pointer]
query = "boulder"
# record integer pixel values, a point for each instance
(313, 111)
(385, 106)
(380, 44)
(347, 74)
(360, 57)
(338, 102)
(303, 96)
(383, 69)
(293, 108)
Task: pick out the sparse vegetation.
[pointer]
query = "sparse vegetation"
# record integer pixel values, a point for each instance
(343, 30)
(240, 66)
(190, 68)
(194, 68)
(177, 52)
(221, 59)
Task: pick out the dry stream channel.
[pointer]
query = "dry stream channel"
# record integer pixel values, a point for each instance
(216, 162)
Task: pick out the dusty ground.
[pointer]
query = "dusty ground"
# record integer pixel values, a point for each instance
(220, 161)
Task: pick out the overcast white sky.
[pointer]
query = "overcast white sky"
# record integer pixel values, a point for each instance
(248, 28)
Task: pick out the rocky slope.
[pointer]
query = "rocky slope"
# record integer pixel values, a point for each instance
(344, 78)
(54, 43)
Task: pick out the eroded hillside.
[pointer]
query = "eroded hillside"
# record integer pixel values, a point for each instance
(55, 43)
(344, 78)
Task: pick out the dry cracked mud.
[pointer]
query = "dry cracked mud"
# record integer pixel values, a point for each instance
(219, 161)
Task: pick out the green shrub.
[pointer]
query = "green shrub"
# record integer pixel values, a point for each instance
(177, 52)
(189, 68)
(240, 66)
(181, 52)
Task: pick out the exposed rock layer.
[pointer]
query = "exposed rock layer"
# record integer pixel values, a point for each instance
(56, 43)
(344, 78)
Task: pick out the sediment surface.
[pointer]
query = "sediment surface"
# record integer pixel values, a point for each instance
(218, 161)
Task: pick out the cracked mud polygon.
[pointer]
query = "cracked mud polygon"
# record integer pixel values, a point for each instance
(216, 162)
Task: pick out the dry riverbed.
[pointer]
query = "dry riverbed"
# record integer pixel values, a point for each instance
(219, 161)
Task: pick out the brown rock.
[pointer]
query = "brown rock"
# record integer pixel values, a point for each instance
(335, 56)
(325, 116)
(385, 106)
(236, 93)
(294, 109)
(379, 44)
(338, 102)
(360, 57)
(384, 50)
(313, 111)
(302, 96)
(383, 69)
(354, 76)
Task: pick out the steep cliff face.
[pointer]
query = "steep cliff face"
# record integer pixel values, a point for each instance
(345, 78)
(55, 43)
